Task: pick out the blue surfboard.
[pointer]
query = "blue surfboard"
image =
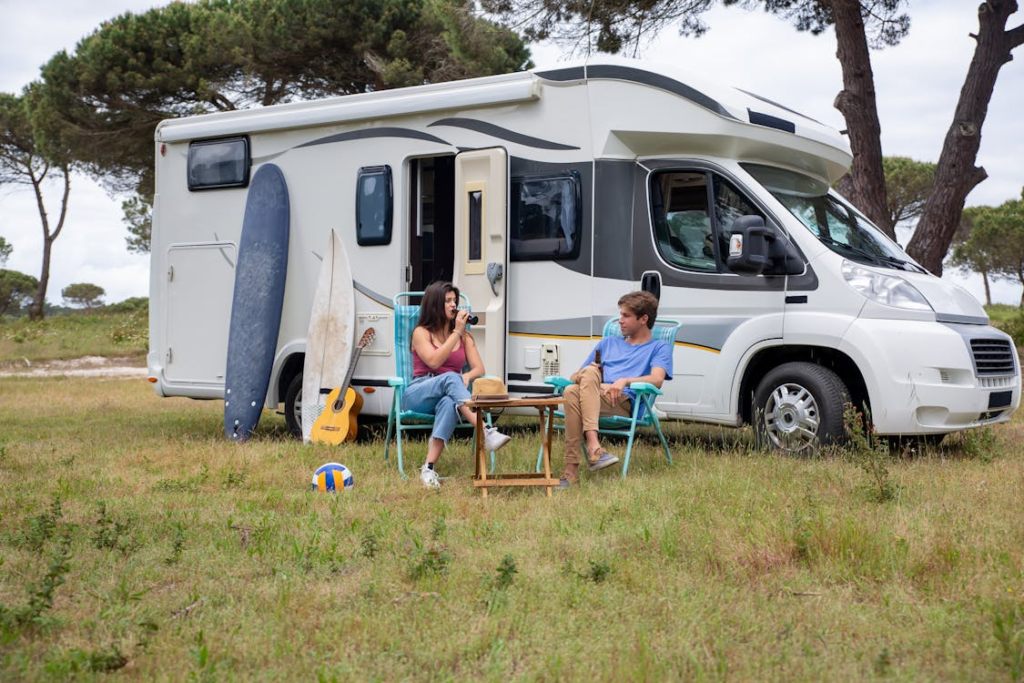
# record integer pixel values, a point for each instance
(256, 307)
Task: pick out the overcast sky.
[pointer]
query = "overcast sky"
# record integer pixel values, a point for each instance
(917, 82)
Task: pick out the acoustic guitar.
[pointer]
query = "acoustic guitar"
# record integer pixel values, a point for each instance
(339, 421)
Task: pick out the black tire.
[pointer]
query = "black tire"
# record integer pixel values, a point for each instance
(293, 406)
(799, 407)
(914, 444)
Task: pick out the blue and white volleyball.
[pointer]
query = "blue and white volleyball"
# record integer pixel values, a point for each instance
(332, 477)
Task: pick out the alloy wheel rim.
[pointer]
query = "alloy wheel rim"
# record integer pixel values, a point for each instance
(792, 418)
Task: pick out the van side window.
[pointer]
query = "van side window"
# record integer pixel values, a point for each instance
(547, 217)
(682, 222)
(730, 205)
(689, 233)
(217, 164)
(373, 206)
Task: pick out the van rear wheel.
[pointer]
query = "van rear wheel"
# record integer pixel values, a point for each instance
(293, 406)
(799, 407)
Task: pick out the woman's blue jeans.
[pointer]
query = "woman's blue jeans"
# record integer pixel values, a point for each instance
(441, 395)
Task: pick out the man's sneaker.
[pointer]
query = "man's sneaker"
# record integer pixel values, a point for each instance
(605, 459)
(429, 478)
(494, 440)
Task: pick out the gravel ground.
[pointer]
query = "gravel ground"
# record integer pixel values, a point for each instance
(87, 366)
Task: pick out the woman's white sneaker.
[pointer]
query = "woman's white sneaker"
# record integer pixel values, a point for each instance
(429, 478)
(494, 440)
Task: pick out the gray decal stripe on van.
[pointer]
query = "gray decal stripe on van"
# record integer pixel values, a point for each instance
(572, 73)
(367, 133)
(708, 332)
(706, 335)
(374, 296)
(625, 73)
(500, 133)
(572, 327)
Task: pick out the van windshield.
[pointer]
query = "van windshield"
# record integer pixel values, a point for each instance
(831, 219)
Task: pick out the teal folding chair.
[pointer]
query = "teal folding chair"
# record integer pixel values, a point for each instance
(406, 316)
(643, 407)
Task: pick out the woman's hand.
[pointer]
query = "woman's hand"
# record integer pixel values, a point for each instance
(461, 318)
(467, 378)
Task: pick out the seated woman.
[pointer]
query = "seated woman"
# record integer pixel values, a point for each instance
(441, 348)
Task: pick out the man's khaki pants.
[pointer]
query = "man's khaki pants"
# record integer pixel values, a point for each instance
(584, 404)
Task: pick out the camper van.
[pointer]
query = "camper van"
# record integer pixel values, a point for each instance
(547, 194)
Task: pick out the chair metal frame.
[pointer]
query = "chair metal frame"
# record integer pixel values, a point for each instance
(406, 316)
(646, 394)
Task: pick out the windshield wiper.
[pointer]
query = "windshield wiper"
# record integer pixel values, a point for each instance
(849, 248)
(877, 259)
(905, 265)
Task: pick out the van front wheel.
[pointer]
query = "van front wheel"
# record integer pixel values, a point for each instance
(799, 406)
(293, 406)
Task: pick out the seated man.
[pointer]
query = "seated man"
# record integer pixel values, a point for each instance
(600, 387)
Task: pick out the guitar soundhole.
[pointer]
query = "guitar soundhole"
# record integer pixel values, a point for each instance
(339, 405)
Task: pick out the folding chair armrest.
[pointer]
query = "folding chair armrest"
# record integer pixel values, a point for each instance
(645, 388)
(396, 382)
(559, 383)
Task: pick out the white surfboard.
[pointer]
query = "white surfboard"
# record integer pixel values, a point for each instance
(331, 336)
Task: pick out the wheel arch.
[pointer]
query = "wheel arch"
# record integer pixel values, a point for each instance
(291, 367)
(765, 360)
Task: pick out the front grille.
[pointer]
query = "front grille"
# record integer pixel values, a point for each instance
(992, 357)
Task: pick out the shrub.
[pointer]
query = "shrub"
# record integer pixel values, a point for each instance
(1014, 326)
(136, 304)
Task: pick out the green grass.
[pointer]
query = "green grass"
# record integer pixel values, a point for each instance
(111, 334)
(1000, 313)
(135, 539)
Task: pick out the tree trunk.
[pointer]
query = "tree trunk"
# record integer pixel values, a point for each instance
(955, 174)
(988, 290)
(36, 308)
(865, 184)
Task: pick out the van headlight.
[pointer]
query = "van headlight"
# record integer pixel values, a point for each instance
(889, 290)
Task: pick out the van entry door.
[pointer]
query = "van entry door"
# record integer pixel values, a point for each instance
(481, 261)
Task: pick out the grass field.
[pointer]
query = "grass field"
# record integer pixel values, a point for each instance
(135, 540)
(123, 332)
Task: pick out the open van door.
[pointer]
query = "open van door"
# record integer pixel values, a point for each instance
(481, 227)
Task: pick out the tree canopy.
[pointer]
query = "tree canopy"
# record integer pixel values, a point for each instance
(83, 295)
(216, 55)
(16, 290)
(995, 245)
(908, 183)
(616, 26)
(33, 151)
(5, 251)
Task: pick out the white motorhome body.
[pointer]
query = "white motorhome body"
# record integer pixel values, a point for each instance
(545, 196)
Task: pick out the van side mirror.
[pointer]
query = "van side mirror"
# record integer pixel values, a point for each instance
(758, 249)
(748, 246)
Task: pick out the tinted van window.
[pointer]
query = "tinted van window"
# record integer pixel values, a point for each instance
(214, 164)
(546, 217)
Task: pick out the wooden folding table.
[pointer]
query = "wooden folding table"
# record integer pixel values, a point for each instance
(545, 409)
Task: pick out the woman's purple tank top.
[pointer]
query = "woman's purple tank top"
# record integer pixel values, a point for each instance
(454, 363)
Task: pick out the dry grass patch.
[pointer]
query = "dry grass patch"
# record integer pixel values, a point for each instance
(135, 539)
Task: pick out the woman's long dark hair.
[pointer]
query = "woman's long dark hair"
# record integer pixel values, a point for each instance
(432, 315)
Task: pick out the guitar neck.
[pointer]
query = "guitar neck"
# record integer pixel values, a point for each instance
(351, 368)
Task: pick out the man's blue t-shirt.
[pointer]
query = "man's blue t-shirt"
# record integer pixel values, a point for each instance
(622, 359)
